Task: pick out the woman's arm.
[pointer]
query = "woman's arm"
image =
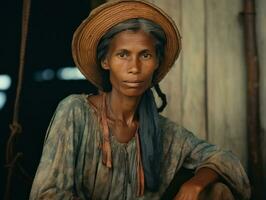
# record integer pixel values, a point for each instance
(54, 178)
(191, 189)
(203, 155)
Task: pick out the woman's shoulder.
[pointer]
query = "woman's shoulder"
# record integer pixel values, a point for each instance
(75, 101)
(76, 109)
(167, 124)
(172, 129)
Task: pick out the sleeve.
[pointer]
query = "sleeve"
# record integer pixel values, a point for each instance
(54, 178)
(202, 154)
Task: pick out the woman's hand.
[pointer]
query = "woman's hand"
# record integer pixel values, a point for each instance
(191, 189)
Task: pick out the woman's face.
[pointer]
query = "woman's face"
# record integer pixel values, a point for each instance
(131, 60)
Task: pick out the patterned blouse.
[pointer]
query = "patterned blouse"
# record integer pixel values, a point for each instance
(71, 164)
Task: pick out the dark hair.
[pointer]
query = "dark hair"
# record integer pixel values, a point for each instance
(150, 134)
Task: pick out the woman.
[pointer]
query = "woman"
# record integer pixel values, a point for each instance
(115, 145)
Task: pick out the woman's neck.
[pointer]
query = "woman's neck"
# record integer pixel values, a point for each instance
(122, 107)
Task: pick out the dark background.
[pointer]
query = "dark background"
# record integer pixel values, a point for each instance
(51, 26)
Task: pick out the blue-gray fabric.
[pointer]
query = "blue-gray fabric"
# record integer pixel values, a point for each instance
(150, 140)
(71, 163)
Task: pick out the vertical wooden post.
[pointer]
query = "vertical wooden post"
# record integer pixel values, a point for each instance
(254, 148)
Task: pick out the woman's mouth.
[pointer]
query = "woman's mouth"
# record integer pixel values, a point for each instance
(133, 84)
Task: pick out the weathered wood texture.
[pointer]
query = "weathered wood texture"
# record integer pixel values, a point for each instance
(226, 75)
(184, 85)
(261, 34)
(206, 89)
(193, 73)
(173, 81)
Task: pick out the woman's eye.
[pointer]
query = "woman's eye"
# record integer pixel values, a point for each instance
(122, 54)
(146, 55)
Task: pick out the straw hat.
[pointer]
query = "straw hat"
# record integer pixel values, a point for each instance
(104, 17)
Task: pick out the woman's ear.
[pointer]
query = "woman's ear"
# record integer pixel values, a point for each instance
(104, 64)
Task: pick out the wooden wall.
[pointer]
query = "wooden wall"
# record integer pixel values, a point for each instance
(206, 88)
(261, 33)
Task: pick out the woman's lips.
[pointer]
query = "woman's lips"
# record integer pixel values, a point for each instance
(133, 84)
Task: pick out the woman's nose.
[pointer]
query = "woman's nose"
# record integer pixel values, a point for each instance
(134, 66)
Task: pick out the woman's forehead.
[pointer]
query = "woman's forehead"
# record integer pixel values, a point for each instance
(133, 37)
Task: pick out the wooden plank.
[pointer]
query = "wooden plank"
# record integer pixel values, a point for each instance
(261, 34)
(226, 77)
(171, 84)
(193, 73)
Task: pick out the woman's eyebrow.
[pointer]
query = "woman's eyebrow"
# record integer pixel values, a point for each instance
(117, 51)
(146, 51)
(128, 51)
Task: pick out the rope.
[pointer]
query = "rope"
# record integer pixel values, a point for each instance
(15, 127)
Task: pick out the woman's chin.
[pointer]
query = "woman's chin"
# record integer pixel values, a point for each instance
(133, 92)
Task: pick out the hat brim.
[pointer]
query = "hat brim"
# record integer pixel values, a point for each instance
(104, 17)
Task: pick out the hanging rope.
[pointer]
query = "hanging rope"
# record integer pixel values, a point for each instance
(15, 127)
